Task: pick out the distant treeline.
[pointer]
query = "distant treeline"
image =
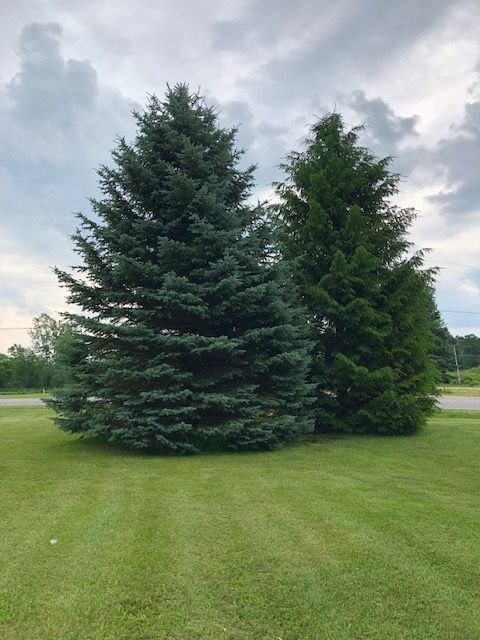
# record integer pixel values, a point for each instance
(40, 366)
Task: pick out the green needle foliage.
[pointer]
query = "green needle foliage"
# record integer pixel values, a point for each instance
(368, 302)
(190, 338)
(442, 354)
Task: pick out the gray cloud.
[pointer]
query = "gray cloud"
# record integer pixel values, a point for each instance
(375, 24)
(388, 134)
(458, 158)
(57, 124)
(303, 58)
(455, 160)
(318, 45)
(384, 129)
(49, 89)
(264, 24)
(264, 143)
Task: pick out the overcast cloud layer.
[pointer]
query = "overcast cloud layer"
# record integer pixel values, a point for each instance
(69, 78)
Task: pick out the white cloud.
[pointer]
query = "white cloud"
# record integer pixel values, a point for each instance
(471, 288)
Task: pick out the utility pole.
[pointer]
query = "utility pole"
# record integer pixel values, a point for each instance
(456, 362)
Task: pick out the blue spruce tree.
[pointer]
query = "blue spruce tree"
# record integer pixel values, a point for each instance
(190, 338)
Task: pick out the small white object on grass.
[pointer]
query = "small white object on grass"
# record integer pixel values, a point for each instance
(53, 541)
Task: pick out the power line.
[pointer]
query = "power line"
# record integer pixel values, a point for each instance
(475, 313)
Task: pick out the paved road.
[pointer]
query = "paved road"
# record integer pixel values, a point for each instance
(21, 402)
(465, 403)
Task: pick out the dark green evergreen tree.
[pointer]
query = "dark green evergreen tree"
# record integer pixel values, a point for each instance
(190, 338)
(367, 301)
(442, 354)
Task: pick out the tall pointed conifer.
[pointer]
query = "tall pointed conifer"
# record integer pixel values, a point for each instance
(188, 338)
(368, 300)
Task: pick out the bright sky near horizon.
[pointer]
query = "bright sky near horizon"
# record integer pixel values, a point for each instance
(70, 73)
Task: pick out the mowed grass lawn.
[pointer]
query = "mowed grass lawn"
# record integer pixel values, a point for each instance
(460, 391)
(337, 538)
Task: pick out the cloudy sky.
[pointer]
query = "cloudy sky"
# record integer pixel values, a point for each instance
(70, 73)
